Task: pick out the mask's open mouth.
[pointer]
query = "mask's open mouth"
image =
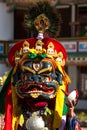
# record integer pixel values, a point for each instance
(29, 88)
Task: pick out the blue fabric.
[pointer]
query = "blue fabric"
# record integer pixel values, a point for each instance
(71, 123)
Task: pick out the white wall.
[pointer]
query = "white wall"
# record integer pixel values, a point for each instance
(6, 23)
(82, 104)
(3, 69)
(72, 72)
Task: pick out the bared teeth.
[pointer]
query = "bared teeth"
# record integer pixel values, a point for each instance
(34, 95)
(35, 89)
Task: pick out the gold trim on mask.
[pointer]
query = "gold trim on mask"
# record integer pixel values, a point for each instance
(44, 70)
(28, 69)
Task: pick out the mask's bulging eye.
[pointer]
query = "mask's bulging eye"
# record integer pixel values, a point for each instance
(46, 78)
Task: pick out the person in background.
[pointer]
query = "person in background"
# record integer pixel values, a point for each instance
(1, 83)
(2, 123)
(2, 80)
(70, 122)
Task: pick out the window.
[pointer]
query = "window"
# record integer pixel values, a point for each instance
(65, 12)
(19, 30)
(82, 18)
(82, 81)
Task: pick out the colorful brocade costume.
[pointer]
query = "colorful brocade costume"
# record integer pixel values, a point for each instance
(32, 91)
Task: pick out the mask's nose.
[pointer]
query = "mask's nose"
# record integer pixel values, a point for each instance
(36, 78)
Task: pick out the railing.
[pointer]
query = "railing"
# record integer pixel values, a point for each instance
(5, 46)
(74, 57)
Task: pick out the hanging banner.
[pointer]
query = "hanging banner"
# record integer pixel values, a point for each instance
(82, 46)
(70, 46)
(1, 48)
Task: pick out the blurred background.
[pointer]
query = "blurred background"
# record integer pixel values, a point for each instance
(69, 27)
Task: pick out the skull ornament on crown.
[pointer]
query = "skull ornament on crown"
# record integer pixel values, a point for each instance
(37, 77)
